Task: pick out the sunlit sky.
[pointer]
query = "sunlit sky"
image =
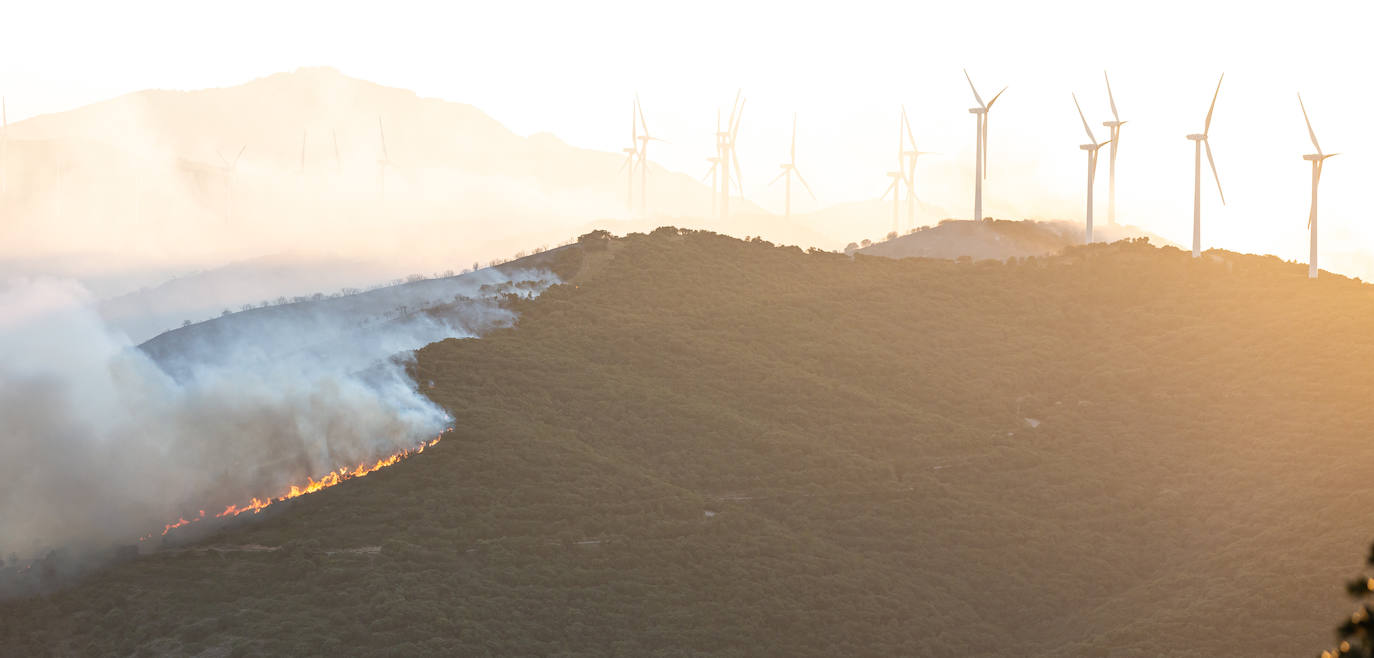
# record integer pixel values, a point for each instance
(572, 68)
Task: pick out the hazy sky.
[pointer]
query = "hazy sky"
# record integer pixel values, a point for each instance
(571, 69)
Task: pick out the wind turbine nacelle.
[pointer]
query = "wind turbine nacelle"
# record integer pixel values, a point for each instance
(977, 110)
(1088, 147)
(1112, 124)
(1197, 137)
(1313, 157)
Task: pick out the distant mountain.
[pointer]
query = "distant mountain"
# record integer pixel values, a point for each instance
(998, 238)
(158, 171)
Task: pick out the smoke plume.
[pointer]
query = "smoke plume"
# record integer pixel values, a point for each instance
(105, 441)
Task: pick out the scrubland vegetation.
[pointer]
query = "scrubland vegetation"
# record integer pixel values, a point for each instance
(701, 445)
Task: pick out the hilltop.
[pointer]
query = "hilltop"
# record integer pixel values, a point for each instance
(704, 445)
(996, 238)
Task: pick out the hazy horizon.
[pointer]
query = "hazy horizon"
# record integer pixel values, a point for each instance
(847, 95)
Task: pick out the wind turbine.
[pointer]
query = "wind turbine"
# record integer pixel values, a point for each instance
(644, 159)
(629, 163)
(1199, 141)
(981, 155)
(725, 149)
(899, 176)
(790, 168)
(715, 168)
(1115, 124)
(1316, 159)
(911, 157)
(229, 167)
(1091, 147)
(382, 162)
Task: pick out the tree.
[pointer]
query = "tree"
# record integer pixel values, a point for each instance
(1357, 632)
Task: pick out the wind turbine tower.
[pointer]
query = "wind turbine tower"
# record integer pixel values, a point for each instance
(644, 159)
(714, 172)
(789, 168)
(898, 177)
(1091, 147)
(1316, 159)
(1115, 137)
(628, 166)
(981, 148)
(1199, 142)
(909, 167)
(725, 150)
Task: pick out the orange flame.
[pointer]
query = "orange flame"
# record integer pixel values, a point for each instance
(312, 485)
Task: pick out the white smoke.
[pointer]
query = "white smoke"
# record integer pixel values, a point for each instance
(102, 441)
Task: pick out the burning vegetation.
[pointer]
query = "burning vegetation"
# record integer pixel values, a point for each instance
(342, 474)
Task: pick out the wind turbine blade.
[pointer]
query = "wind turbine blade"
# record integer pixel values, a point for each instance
(1311, 133)
(709, 172)
(221, 157)
(1212, 162)
(734, 108)
(1110, 98)
(784, 173)
(1084, 119)
(236, 158)
(734, 129)
(975, 90)
(639, 106)
(889, 189)
(1208, 124)
(994, 98)
(628, 159)
(910, 137)
(803, 182)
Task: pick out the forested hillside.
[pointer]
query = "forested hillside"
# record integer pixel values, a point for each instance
(700, 445)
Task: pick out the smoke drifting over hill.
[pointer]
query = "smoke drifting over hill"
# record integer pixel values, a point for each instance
(105, 442)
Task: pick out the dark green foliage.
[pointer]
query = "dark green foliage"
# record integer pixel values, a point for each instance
(1355, 635)
(701, 445)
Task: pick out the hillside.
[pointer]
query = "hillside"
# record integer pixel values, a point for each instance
(998, 239)
(704, 445)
